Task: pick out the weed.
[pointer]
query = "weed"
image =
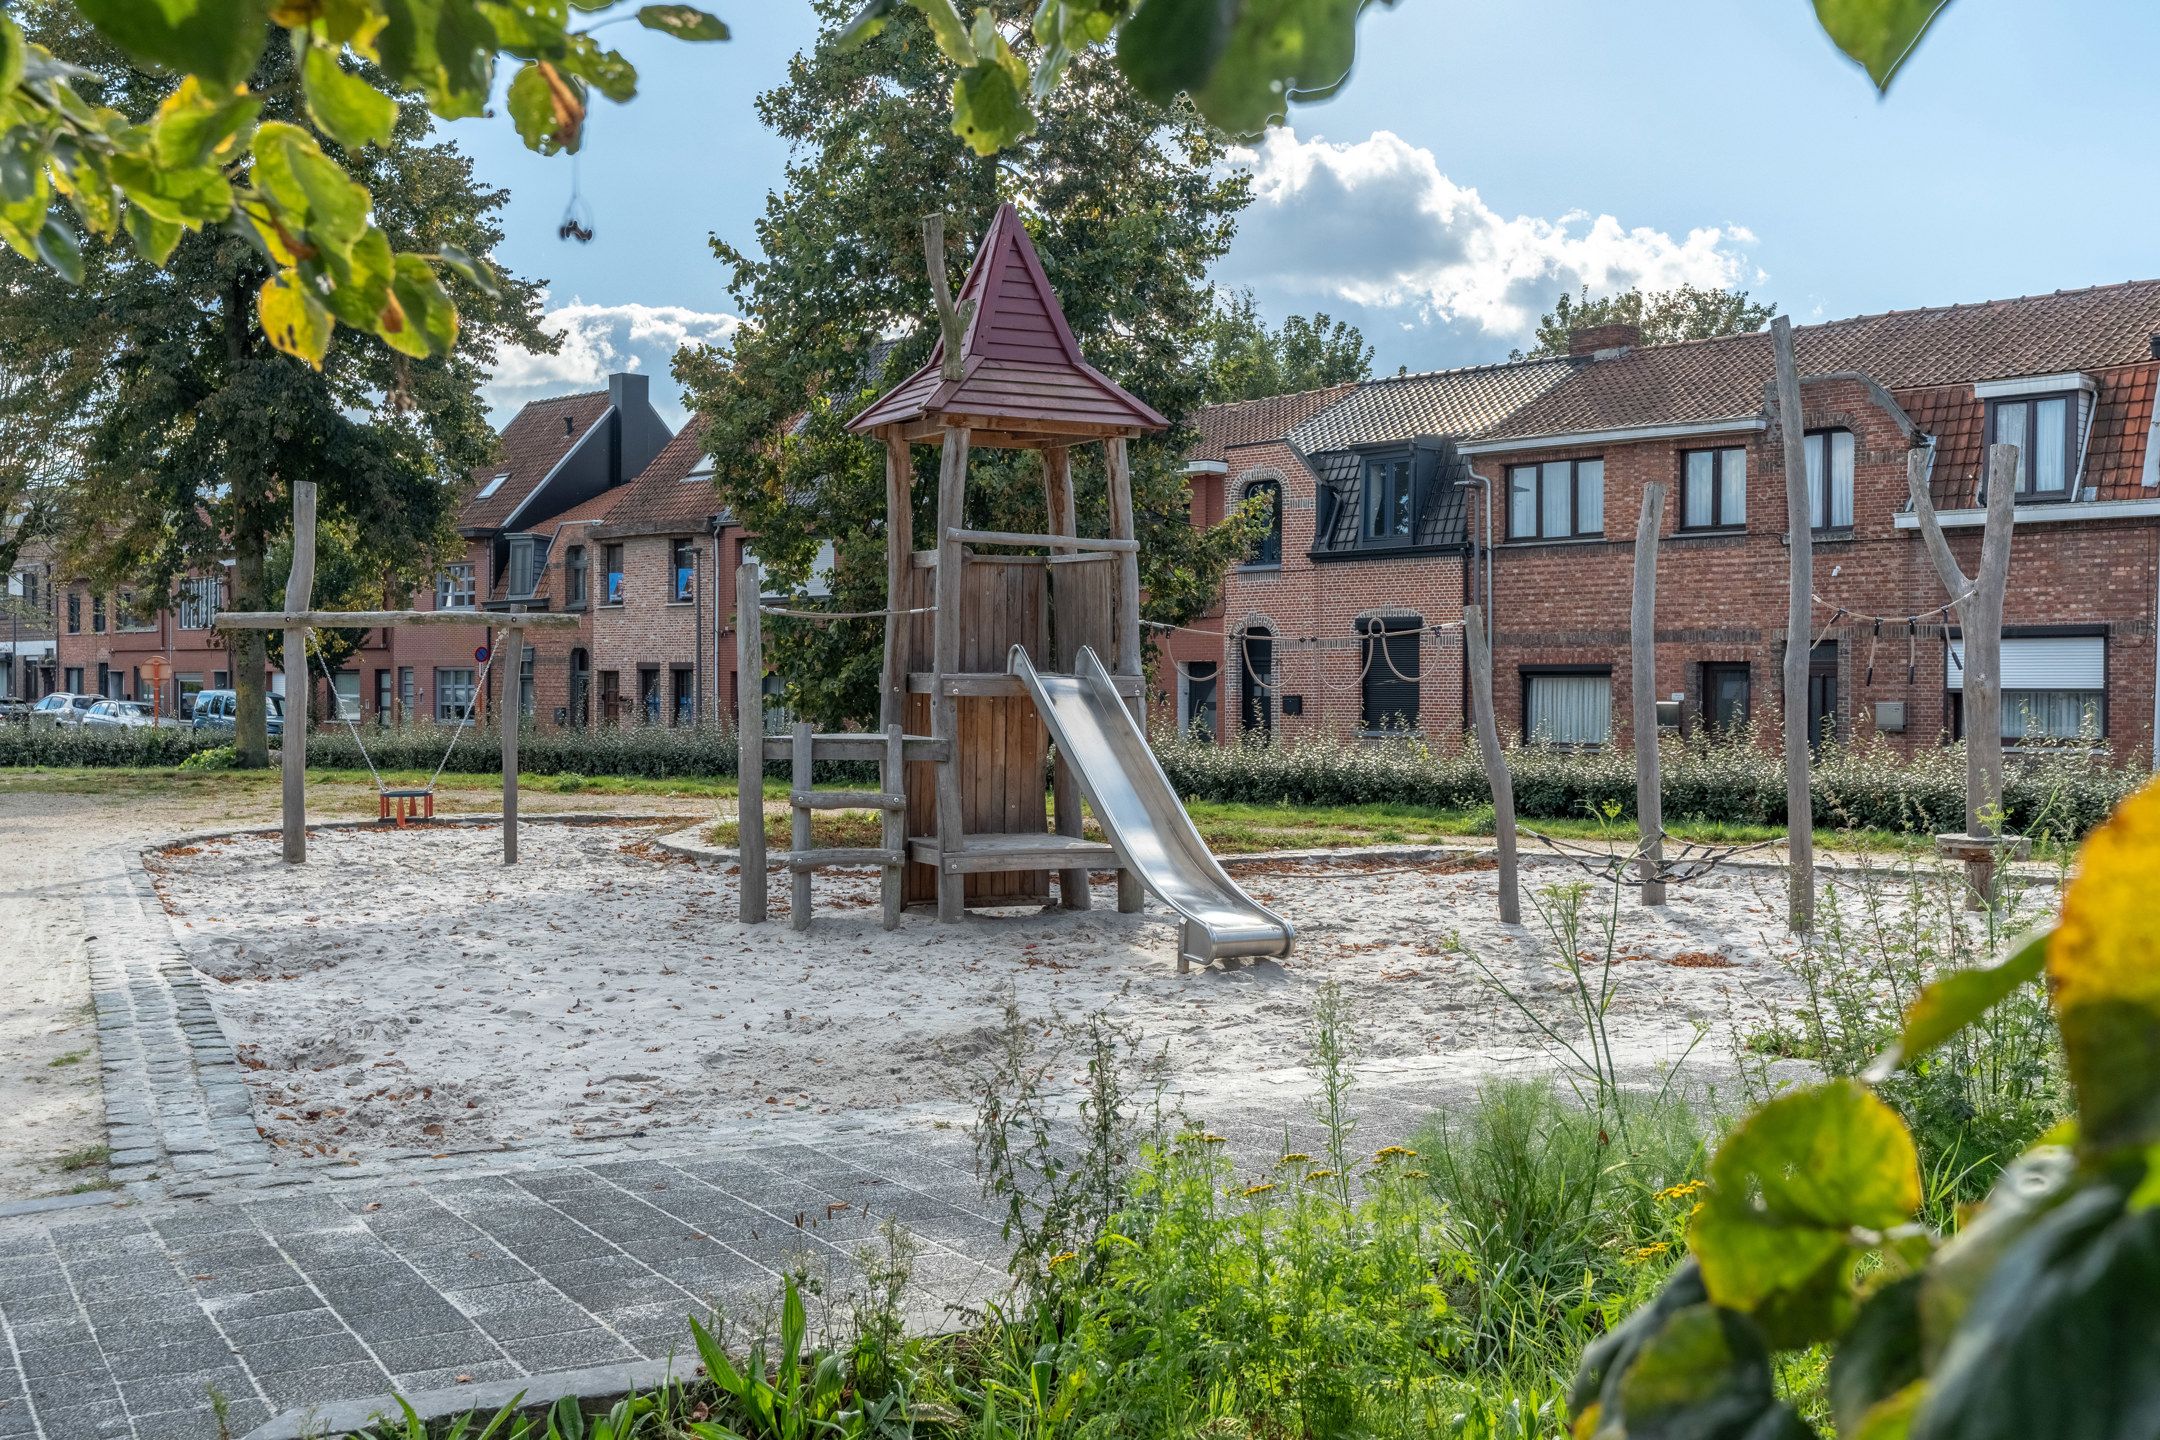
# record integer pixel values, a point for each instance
(73, 1057)
(90, 1157)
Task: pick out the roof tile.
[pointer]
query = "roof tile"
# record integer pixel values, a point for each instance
(533, 443)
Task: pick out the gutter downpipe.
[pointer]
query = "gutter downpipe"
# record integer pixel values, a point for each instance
(1484, 484)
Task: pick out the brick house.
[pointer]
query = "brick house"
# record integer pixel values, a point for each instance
(29, 663)
(105, 643)
(1380, 535)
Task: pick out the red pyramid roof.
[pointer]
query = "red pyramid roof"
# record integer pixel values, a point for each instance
(1024, 377)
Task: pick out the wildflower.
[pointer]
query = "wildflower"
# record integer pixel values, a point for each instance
(1415, 1175)
(1681, 1192)
(1651, 1251)
(1394, 1152)
(1260, 1189)
(1061, 1258)
(1319, 1174)
(1212, 1140)
(1296, 1157)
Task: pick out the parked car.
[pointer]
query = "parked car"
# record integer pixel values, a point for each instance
(14, 710)
(62, 708)
(215, 709)
(126, 715)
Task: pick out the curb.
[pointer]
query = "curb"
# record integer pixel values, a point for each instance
(47, 1204)
(343, 1417)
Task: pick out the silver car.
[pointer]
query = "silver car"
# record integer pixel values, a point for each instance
(62, 708)
(126, 715)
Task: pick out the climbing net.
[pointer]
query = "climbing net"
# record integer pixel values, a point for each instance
(1374, 641)
(1676, 863)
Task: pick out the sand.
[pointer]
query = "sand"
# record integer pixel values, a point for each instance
(407, 990)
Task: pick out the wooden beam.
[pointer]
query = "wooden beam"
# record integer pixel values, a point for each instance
(1799, 635)
(511, 719)
(1642, 652)
(989, 682)
(299, 594)
(1496, 771)
(1118, 465)
(893, 832)
(1047, 542)
(750, 745)
(799, 832)
(899, 552)
(293, 615)
(944, 713)
(1065, 814)
(859, 747)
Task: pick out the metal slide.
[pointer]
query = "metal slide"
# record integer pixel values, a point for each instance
(1141, 815)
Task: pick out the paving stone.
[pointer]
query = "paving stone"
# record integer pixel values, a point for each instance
(184, 1392)
(83, 1358)
(517, 1311)
(297, 1389)
(130, 1361)
(451, 1377)
(432, 1352)
(570, 1350)
(299, 1325)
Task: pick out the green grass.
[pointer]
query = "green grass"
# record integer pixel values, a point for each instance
(73, 1057)
(89, 1157)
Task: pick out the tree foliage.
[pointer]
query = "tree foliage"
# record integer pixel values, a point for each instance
(1128, 205)
(1685, 312)
(200, 426)
(2035, 1318)
(1246, 360)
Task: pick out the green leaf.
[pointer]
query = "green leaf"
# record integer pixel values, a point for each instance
(1879, 34)
(528, 28)
(443, 48)
(471, 268)
(1954, 1001)
(1280, 50)
(607, 70)
(309, 186)
(293, 318)
(429, 320)
(1705, 1372)
(1787, 1189)
(949, 30)
(154, 238)
(532, 109)
(869, 22)
(191, 197)
(359, 277)
(193, 127)
(1879, 1355)
(2104, 965)
(216, 39)
(2060, 1341)
(684, 22)
(12, 55)
(990, 100)
(22, 164)
(57, 247)
(1172, 46)
(344, 106)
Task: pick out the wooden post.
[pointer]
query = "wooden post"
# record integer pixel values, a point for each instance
(299, 594)
(1496, 771)
(799, 829)
(1064, 789)
(750, 745)
(899, 553)
(512, 721)
(892, 780)
(1800, 547)
(1642, 654)
(1130, 892)
(1978, 601)
(944, 710)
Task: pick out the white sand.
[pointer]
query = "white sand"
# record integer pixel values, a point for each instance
(409, 991)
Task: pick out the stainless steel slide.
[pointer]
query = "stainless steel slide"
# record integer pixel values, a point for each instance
(1141, 814)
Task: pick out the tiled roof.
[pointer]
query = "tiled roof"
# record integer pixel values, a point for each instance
(1437, 402)
(1023, 367)
(1724, 379)
(532, 444)
(1258, 422)
(2121, 420)
(666, 499)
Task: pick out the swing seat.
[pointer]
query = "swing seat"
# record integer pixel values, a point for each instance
(406, 807)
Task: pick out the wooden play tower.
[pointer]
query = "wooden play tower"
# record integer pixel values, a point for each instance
(1006, 374)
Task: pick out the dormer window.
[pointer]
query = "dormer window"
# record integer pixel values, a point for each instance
(495, 483)
(528, 562)
(1390, 500)
(2044, 428)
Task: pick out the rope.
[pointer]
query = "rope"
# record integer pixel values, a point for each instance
(479, 685)
(844, 614)
(1689, 861)
(358, 743)
(1914, 619)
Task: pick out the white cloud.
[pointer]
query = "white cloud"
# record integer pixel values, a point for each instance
(598, 340)
(1375, 225)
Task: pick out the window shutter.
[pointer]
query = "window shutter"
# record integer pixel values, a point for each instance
(2052, 662)
(1393, 667)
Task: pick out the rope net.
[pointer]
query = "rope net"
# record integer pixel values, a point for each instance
(1678, 861)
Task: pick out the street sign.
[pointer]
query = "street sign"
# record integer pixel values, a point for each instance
(481, 654)
(158, 669)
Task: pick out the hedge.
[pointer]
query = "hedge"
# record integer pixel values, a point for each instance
(1737, 781)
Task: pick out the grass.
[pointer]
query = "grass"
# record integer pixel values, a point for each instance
(73, 1057)
(89, 1157)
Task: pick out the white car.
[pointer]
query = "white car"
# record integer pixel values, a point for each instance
(62, 708)
(126, 715)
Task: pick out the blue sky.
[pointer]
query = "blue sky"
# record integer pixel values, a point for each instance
(1483, 158)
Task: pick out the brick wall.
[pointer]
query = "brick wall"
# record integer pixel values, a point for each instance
(652, 631)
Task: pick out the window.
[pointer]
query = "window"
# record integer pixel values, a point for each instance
(1390, 500)
(525, 682)
(74, 612)
(1256, 681)
(1568, 709)
(494, 483)
(611, 563)
(1556, 500)
(1727, 697)
(185, 689)
(1830, 479)
(127, 617)
(198, 602)
(345, 687)
(1713, 489)
(453, 695)
(407, 691)
(1268, 549)
(648, 689)
(610, 696)
(1197, 683)
(72, 677)
(97, 614)
(454, 588)
(1388, 686)
(2043, 429)
(385, 701)
(528, 564)
(682, 684)
(685, 569)
(574, 577)
(2054, 687)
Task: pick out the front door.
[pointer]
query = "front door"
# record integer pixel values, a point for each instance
(1256, 698)
(1822, 698)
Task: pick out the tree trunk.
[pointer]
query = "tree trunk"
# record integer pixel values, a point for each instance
(1799, 532)
(1979, 605)
(251, 738)
(1496, 771)
(1642, 650)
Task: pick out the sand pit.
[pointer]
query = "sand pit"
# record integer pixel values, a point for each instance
(406, 990)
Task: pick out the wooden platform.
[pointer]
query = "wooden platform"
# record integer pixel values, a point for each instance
(997, 683)
(999, 854)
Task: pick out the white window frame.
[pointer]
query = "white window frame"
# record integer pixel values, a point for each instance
(457, 581)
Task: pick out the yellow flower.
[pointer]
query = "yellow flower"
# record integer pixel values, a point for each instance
(1296, 1157)
(1260, 1189)
(1681, 1192)
(1212, 1140)
(1641, 1253)
(1395, 1152)
(1061, 1258)
(1319, 1174)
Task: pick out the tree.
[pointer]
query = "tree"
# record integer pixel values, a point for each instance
(1247, 361)
(49, 379)
(1128, 204)
(1685, 312)
(190, 452)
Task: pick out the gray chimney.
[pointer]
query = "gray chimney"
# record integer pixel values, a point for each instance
(626, 388)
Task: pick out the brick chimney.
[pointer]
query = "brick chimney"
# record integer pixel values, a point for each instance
(1600, 340)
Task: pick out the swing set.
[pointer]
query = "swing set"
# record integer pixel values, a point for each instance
(406, 806)
(298, 621)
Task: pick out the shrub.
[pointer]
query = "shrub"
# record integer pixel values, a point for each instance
(54, 746)
(217, 757)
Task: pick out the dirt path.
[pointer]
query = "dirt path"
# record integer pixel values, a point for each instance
(49, 826)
